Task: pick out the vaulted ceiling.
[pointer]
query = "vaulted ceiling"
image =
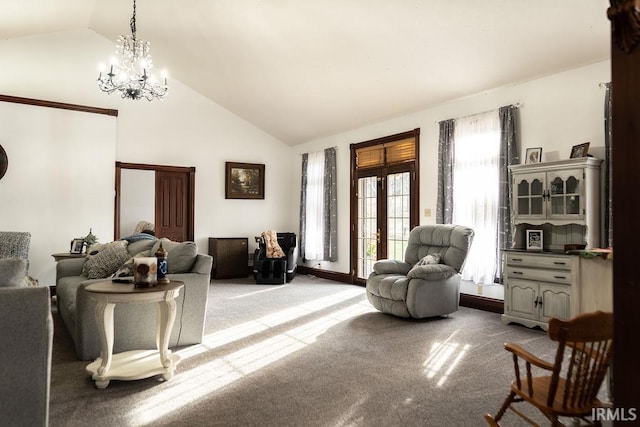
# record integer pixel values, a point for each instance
(301, 69)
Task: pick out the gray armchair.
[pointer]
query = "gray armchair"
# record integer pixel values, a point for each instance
(427, 282)
(26, 341)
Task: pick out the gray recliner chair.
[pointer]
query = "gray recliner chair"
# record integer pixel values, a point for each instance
(427, 282)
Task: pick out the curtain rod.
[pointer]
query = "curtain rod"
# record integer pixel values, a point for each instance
(517, 105)
(335, 147)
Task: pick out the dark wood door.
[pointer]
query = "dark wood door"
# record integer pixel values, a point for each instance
(172, 201)
(625, 96)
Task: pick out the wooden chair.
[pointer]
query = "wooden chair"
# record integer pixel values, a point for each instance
(585, 345)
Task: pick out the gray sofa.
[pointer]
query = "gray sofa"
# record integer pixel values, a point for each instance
(134, 324)
(26, 341)
(427, 282)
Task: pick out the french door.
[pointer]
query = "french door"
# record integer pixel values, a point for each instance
(384, 200)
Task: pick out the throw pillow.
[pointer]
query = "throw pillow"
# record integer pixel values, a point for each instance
(12, 272)
(127, 268)
(430, 259)
(140, 246)
(181, 255)
(104, 261)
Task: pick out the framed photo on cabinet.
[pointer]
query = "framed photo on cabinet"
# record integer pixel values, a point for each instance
(534, 240)
(244, 181)
(580, 150)
(533, 155)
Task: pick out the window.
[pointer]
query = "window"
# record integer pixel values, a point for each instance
(476, 172)
(318, 206)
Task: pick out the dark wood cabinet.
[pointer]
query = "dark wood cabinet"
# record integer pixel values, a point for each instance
(230, 257)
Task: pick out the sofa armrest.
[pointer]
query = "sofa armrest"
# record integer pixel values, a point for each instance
(69, 267)
(202, 264)
(391, 266)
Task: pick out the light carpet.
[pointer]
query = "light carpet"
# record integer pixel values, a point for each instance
(309, 353)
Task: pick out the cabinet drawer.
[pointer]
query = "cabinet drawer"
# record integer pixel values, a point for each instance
(538, 261)
(553, 276)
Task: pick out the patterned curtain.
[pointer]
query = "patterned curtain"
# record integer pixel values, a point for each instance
(608, 185)
(303, 207)
(508, 156)
(444, 206)
(330, 206)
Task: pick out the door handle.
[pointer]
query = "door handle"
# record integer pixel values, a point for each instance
(378, 236)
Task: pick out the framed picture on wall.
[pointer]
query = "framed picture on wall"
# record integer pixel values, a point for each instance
(244, 181)
(533, 155)
(580, 150)
(534, 240)
(4, 162)
(76, 246)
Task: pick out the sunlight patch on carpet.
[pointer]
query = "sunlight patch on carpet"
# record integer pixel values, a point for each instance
(195, 384)
(443, 359)
(273, 288)
(252, 327)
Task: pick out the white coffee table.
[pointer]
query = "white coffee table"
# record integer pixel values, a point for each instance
(134, 364)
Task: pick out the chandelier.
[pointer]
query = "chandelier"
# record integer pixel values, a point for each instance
(130, 72)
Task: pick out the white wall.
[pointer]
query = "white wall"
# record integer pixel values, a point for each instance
(59, 182)
(556, 112)
(186, 129)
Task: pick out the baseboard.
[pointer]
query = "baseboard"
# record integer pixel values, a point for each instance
(482, 303)
(324, 274)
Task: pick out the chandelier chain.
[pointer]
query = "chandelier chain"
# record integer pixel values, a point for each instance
(132, 23)
(131, 73)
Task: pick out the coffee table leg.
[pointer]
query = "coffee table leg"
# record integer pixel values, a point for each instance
(166, 317)
(104, 321)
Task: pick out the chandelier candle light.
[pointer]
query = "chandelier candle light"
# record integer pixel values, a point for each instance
(130, 71)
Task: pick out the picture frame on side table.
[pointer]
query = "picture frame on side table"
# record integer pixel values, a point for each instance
(534, 240)
(580, 150)
(533, 155)
(244, 180)
(76, 246)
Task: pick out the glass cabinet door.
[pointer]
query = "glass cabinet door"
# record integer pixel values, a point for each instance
(530, 196)
(565, 190)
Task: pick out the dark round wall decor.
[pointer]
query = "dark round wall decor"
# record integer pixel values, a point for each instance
(4, 162)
